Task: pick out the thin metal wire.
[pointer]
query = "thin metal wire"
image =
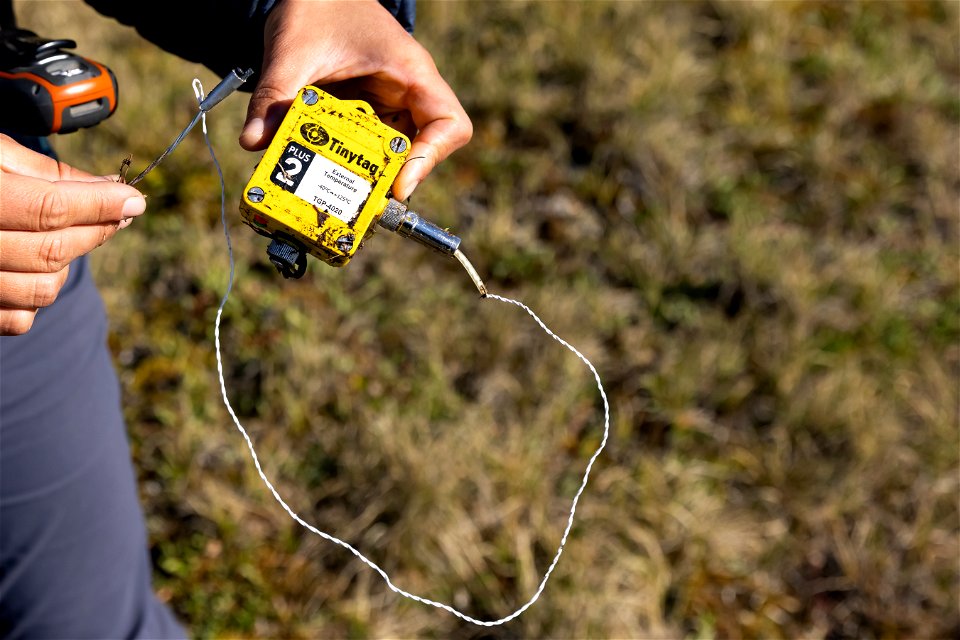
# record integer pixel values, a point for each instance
(346, 545)
(482, 288)
(176, 143)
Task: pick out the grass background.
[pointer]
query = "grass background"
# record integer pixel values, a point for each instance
(746, 214)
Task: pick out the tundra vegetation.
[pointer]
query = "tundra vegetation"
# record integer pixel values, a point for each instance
(746, 214)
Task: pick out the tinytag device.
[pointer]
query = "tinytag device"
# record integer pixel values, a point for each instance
(45, 90)
(324, 183)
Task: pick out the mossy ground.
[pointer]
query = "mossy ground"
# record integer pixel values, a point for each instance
(746, 214)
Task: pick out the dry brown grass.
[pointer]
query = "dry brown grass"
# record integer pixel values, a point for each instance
(745, 214)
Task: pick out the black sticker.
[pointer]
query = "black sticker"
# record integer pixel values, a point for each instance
(292, 165)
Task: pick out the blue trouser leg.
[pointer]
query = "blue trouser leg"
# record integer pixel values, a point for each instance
(73, 551)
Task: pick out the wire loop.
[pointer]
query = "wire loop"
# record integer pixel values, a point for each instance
(342, 543)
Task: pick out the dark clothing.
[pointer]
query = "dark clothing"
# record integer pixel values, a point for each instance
(217, 33)
(73, 550)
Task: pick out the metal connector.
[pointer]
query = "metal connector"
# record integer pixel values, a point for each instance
(230, 83)
(397, 218)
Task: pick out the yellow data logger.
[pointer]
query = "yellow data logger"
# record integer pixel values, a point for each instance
(324, 183)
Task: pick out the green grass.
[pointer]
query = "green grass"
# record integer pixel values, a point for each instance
(744, 213)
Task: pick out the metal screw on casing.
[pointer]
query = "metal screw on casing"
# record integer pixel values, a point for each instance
(255, 194)
(310, 97)
(398, 145)
(345, 243)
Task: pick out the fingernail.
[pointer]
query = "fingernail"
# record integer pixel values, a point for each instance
(133, 206)
(126, 222)
(404, 191)
(253, 130)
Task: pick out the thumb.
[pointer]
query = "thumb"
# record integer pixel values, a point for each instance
(286, 67)
(268, 104)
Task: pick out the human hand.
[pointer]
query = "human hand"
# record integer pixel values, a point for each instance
(50, 214)
(362, 50)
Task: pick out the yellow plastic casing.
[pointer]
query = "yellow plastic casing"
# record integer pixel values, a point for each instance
(325, 179)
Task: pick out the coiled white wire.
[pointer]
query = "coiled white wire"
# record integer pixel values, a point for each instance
(198, 89)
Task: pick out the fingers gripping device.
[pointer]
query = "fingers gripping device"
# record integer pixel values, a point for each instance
(324, 183)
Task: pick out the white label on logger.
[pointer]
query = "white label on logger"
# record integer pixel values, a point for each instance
(321, 182)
